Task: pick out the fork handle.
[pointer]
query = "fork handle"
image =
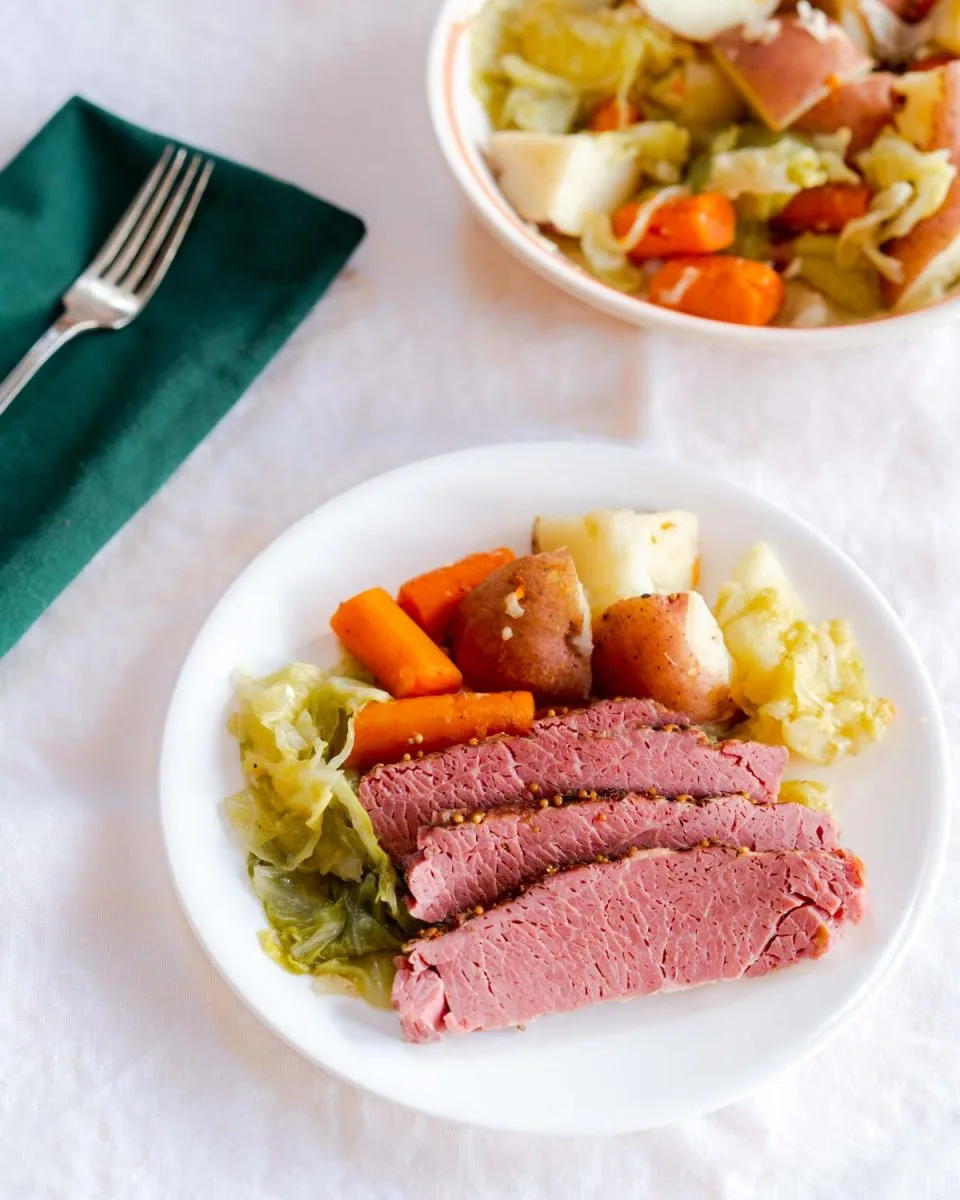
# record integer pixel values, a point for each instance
(60, 332)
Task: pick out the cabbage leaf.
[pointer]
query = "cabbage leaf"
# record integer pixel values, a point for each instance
(909, 186)
(779, 170)
(328, 889)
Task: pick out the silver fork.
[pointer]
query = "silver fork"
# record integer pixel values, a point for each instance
(130, 266)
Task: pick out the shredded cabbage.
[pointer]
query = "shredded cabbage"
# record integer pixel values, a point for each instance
(538, 101)
(909, 187)
(779, 170)
(607, 254)
(320, 925)
(537, 64)
(328, 889)
(855, 288)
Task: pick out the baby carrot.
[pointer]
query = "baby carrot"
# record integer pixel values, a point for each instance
(824, 209)
(432, 599)
(700, 224)
(390, 644)
(721, 288)
(384, 733)
(614, 114)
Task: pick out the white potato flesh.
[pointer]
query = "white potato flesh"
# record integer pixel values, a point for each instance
(701, 20)
(705, 641)
(558, 180)
(674, 548)
(611, 560)
(620, 553)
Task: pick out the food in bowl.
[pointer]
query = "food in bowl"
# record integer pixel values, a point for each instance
(554, 754)
(738, 160)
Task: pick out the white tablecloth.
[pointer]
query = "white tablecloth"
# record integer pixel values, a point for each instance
(127, 1067)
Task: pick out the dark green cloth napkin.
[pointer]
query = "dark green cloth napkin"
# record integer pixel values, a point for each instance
(112, 415)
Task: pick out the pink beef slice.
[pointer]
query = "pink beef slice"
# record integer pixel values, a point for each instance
(624, 746)
(657, 920)
(456, 867)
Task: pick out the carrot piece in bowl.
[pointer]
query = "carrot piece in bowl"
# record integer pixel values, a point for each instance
(720, 288)
(826, 209)
(700, 224)
(613, 115)
(393, 647)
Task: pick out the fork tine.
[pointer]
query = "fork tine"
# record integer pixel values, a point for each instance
(121, 231)
(158, 233)
(143, 225)
(162, 263)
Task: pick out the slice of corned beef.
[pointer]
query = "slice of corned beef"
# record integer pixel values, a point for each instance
(458, 866)
(622, 746)
(654, 921)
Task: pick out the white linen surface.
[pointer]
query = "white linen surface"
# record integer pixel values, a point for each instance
(127, 1068)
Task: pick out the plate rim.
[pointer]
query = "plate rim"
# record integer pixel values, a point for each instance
(911, 924)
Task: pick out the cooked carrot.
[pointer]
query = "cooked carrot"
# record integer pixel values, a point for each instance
(720, 288)
(687, 225)
(385, 732)
(393, 647)
(432, 599)
(825, 209)
(614, 114)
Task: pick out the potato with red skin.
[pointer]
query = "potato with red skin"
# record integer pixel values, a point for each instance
(665, 648)
(932, 249)
(784, 76)
(526, 627)
(865, 107)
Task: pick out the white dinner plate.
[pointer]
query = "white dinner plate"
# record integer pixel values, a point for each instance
(614, 1067)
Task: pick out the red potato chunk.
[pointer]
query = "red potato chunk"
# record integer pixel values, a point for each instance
(526, 627)
(865, 107)
(784, 75)
(667, 648)
(930, 253)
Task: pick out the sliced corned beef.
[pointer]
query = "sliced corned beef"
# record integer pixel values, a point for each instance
(623, 746)
(457, 866)
(654, 921)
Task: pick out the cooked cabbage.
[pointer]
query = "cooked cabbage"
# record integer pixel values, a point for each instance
(327, 887)
(801, 685)
(787, 165)
(320, 925)
(909, 186)
(855, 288)
(537, 102)
(661, 148)
(600, 50)
(537, 64)
(606, 257)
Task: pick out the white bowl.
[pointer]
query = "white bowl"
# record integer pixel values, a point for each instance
(462, 128)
